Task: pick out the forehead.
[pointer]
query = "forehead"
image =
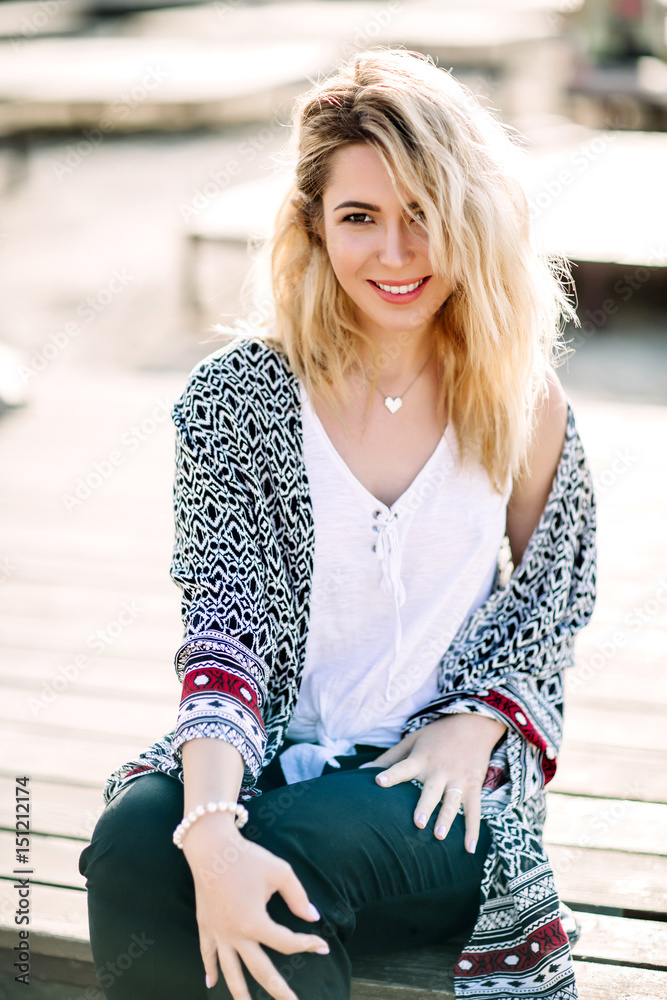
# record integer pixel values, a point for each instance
(358, 170)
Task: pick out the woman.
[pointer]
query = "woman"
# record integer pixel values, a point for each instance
(356, 670)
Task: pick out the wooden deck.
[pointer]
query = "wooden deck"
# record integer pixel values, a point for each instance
(89, 622)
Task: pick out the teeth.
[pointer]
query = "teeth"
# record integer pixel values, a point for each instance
(400, 289)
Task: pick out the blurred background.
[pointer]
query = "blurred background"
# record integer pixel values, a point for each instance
(135, 136)
(139, 143)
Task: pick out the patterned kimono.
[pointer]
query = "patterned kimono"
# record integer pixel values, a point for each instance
(243, 558)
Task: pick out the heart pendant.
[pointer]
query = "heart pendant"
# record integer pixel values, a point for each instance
(393, 404)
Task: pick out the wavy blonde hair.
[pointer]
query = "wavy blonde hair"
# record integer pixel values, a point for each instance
(498, 331)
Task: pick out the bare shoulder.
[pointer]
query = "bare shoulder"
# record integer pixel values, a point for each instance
(530, 492)
(549, 433)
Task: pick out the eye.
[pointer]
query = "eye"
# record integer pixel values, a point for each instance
(357, 218)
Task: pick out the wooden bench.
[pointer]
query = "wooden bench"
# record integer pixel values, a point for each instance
(65, 574)
(617, 955)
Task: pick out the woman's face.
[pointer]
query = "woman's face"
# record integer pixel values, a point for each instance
(378, 253)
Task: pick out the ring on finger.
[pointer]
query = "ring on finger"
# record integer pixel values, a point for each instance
(452, 789)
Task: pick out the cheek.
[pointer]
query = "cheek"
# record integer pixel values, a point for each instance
(346, 255)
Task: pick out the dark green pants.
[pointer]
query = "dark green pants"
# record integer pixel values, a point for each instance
(380, 883)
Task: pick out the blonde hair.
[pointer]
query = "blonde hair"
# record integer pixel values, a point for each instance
(496, 334)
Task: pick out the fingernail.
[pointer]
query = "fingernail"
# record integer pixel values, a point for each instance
(322, 950)
(421, 819)
(440, 832)
(472, 846)
(313, 912)
(382, 778)
(208, 982)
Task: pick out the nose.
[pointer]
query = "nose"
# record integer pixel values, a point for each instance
(396, 249)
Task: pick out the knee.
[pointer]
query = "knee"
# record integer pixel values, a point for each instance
(131, 844)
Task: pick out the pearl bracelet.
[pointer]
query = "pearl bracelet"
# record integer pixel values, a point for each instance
(212, 807)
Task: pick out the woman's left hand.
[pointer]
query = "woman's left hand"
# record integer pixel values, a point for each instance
(450, 757)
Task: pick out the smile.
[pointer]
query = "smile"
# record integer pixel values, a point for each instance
(400, 294)
(400, 289)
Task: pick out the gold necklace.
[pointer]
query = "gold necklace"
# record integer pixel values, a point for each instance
(394, 403)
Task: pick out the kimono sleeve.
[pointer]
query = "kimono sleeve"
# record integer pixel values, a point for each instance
(532, 710)
(218, 564)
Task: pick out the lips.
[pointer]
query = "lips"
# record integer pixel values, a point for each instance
(402, 292)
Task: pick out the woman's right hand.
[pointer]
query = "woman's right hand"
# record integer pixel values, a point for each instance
(234, 879)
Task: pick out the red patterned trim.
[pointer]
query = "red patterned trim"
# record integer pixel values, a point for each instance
(139, 770)
(525, 956)
(207, 680)
(495, 778)
(517, 715)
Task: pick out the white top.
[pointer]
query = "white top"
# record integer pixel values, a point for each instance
(391, 586)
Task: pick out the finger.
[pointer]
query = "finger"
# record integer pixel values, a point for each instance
(209, 954)
(294, 894)
(385, 759)
(281, 938)
(403, 770)
(264, 972)
(472, 807)
(428, 800)
(296, 897)
(233, 973)
(378, 762)
(450, 806)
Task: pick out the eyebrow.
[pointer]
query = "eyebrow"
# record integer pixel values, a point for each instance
(369, 208)
(358, 204)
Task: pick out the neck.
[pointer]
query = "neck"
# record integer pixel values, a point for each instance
(396, 357)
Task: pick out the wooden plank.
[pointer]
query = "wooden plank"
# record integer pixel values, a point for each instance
(611, 982)
(59, 921)
(611, 879)
(363, 990)
(636, 730)
(53, 860)
(55, 809)
(93, 546)
(626, 677)
(74, 636)
(133, 717)
(616, 824)
(421, 973)
(44, 991)
(29, 669)
(72, 600)
(53, 978)
(51, 567)
(54, 753)
(622, 941)
(608, 771)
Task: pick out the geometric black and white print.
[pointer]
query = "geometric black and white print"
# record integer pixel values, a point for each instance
(243, 558)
